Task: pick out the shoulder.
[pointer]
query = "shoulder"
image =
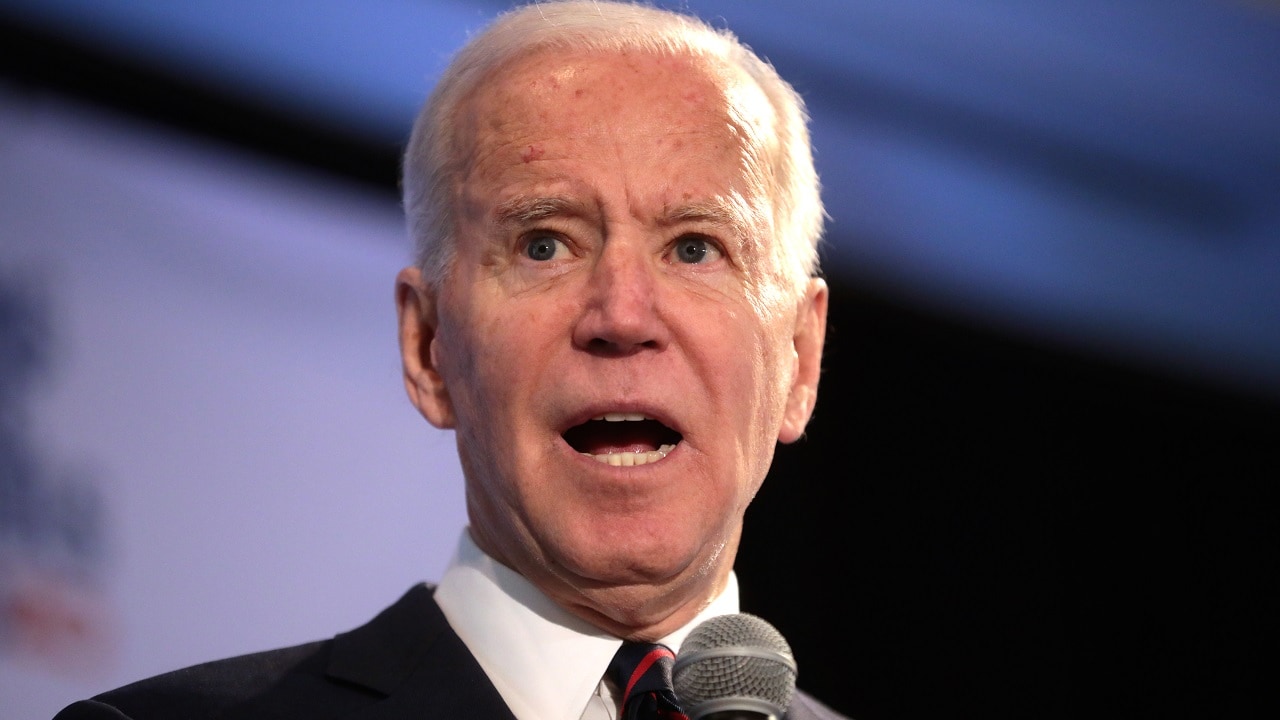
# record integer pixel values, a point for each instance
(320, 679)
(204, 690)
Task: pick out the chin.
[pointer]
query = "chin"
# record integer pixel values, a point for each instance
(609, 562)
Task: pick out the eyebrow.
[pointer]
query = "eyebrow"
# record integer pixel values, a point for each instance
(717, 213)
(524, 210)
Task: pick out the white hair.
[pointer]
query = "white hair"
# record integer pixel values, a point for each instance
(431, 162)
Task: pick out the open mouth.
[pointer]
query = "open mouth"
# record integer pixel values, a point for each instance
(623, 439)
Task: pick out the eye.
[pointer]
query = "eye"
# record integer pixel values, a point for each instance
(543, 247)
(694, 250)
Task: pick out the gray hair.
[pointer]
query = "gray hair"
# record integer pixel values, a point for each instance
(431, 164)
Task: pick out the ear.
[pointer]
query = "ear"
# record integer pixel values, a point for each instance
(419, 323)
(810, 333)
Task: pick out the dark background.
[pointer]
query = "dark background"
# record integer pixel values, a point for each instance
(978, 524)
(981, 527)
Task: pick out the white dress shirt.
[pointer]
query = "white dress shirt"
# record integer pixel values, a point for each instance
(545, 662)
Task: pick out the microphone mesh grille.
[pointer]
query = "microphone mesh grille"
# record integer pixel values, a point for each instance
(722, 673)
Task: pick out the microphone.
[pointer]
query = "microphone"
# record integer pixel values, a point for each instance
(735, 667)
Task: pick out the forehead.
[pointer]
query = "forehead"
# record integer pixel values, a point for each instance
(607, 77)
(580, 93)
(682, 119)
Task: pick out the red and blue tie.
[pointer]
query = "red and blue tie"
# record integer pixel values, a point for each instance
(642, 671)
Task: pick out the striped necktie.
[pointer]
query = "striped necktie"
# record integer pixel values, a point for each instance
(642, 672)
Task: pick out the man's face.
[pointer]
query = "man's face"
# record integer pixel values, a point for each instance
(615, 344)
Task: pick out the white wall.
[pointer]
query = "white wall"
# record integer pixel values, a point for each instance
(222, 375)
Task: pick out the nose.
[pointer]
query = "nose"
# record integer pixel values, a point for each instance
(621, 315)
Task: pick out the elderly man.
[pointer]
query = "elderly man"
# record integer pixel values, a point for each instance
(614, 306)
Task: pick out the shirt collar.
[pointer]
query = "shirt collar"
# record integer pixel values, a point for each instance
(545, 662)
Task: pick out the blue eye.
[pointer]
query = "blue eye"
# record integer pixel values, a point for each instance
(542, 248)
(693, 250)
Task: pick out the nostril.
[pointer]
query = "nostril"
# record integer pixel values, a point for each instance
(617, 348)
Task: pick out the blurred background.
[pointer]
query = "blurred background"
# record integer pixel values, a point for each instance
(1037, 482)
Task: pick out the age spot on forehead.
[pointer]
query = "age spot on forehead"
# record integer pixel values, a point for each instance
(531, 153)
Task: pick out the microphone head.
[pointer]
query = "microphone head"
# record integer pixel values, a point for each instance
(735, 663)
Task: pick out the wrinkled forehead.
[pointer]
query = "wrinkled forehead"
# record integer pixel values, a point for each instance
(658, 79)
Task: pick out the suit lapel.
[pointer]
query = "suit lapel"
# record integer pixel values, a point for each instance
(409, 654)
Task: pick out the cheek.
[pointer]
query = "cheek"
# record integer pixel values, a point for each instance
(772, 366)
(743, 371)
(493, 352)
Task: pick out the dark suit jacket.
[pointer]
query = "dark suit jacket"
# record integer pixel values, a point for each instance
(406, 663)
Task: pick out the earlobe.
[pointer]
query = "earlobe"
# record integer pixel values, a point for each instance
(810, 334)
(418, 325)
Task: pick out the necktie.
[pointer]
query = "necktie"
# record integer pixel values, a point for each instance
(642, 673)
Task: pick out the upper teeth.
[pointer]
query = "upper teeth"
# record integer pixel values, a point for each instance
(620, 417)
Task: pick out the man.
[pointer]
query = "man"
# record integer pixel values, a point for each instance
(614, 306)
